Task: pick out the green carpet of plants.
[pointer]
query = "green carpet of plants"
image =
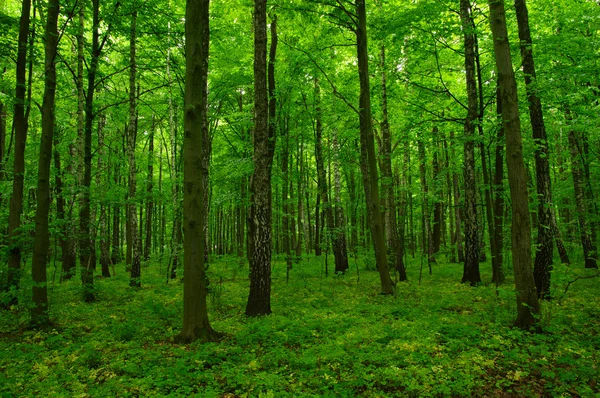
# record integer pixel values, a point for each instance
(333, 336)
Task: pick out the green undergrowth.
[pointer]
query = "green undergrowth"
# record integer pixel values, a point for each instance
(328, 336)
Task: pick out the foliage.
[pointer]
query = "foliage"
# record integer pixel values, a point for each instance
(327, 337)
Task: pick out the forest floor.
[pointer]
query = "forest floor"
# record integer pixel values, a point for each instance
(333, 336)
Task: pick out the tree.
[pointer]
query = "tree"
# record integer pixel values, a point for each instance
(528, 306)
(39, 311)
(131, 139)
(367, 148)
(20, 125)
(196, 325)
(259, 297)
(471, 265)
(545, 247)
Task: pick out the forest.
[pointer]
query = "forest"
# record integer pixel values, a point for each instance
(239, 198)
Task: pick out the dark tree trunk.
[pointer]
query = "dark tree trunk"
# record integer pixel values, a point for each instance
(427, 246)
(85, 243)
(259, 298)
(367, 147)
(340, 250)
(104, 245)
(497, 255)
(436, 233)
(589, 247)
(394, 242)
(39, 310)
(543, 255)
(471, 265)
(116, 226)
(149, 195)
(20, 127)
(457, 206)
(528, 306)
(195, 316)
(131, 139)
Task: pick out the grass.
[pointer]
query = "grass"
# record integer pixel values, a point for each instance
(333, 336)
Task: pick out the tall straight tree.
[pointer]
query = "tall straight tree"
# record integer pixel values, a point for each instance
(20, 129)
(471, 264)
(394, 243)
(528, 306)
(39, 310)
(259, 298)
(543, 255)
(195, 316)
(367, 147)
(131, 139)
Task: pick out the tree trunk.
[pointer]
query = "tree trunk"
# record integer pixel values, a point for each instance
(259, 298)
(497, 255)
(589, 247)
(471, 265)
(394, 242)
(367, 147)
(543, 256)
(39, 310)
(104, 245)
(528, 306)
(427, 246)
(195, 317)
(116, 226)
(457, 206)
(85, 244)
(131, 139)
(340, 250)
(149, 195)
(20, 126)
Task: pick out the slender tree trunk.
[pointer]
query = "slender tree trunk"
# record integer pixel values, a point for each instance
(427, 244)
(367, 147)
(528, 306)
(457, 206)
(394, 242)
(195, 316)
(589, 247)
(300, 195)
(339, 238)
(497, 256)
(131, 139)
(543, 256)
(85, 244)
(259, 298)
(471, 265)
(39, 310)
(149, 189)
(116, 226)
(20, 126)
(68, 260)
(436, 234)
(285, 221)
(104, 239)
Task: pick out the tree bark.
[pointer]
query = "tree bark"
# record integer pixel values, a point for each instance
(545, 248)
(149, 194)
(427, 245)
(367, 147)
(195, 317)
(104, 239)
(39, 310)
(394, 242)
(259, 298)
(497, 256)
(131, 139)
(528, 306)
(590, 252)
(20, 126)
(471, 266)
